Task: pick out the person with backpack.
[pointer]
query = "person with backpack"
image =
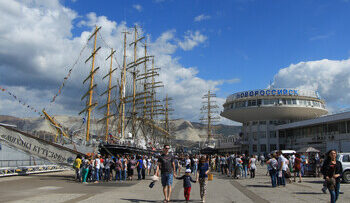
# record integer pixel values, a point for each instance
(272, 165)
(131, 166)
(107, 168)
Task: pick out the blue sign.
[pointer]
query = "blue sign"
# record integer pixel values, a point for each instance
(269, 92)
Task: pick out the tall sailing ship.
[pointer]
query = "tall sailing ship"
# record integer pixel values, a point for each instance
(133, 112)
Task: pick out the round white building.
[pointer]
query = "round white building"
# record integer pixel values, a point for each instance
(261, 110)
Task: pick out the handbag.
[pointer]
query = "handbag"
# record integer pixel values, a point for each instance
(331, 182)
(210, 176)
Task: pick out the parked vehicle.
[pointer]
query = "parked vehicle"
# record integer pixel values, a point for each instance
(344, 158)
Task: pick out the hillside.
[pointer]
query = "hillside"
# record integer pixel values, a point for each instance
(181, 129)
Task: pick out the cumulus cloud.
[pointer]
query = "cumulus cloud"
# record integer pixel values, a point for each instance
(138, 7)
(201, 18)
(38, 49)
(331, 78)
(191, 40)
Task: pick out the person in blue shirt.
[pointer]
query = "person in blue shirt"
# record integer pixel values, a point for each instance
(139, 166)
(187, 183)
(202, 174)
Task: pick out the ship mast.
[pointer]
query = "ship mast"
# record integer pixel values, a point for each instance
(108, 92)
(209, 108)
(134, 75)
(90, 105)
(122, 92)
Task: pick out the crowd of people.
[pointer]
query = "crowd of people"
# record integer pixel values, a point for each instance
(167, 166)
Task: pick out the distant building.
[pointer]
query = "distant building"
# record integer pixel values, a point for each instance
(261, 111)
(324, 133)
(231, 144)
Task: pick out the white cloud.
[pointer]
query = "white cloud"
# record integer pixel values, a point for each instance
(331, 78)
(321, 37)
(138, 7)
(232, 81)
(192, 39)
(38, 49)
(201, 18)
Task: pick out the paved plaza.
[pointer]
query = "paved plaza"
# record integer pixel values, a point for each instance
(60, 187)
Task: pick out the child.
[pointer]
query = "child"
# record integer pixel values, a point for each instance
(187, 183)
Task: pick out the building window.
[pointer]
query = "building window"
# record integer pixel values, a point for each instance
(251, 102)
(259, 102)
(254, 148)
(342, 128)
(272, 147)
(282, 146)
(254, 136)
(262, 122)
(289, 101)
(262, 135)
(255, 123)
(272, 134)
(263, 148)
(294, 101)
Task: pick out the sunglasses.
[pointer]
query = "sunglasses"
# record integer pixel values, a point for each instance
(166, 148)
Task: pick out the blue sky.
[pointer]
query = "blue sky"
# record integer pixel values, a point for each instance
(247, 39)
(199, 45)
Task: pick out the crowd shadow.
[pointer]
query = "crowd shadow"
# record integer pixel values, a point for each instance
(308, 193)
(313, 181)
(144, 200)
(67, 178)
(262, 186)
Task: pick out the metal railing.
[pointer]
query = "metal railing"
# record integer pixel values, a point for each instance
(27, 162)
(26, 170)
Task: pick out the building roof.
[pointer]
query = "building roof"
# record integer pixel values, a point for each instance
(316, 121)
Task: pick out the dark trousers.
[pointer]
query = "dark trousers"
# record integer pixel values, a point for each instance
(252, 173)
(143, 173)
(107, 174)
(273, 177)
(187, 192)
(138, 173)
(281, 180)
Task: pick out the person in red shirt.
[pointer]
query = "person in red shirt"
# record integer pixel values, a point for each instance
(297, 167)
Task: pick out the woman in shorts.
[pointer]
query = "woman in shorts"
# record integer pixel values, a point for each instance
(297, 167)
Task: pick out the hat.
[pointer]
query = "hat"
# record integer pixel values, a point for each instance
(188, 170)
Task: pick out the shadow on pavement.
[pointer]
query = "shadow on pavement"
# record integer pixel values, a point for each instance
(57, 177)
(143, 200)
(112, 184)
(309, 193)
(314, 181)
(268, 186)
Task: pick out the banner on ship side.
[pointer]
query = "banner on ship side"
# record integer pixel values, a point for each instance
(37, 147)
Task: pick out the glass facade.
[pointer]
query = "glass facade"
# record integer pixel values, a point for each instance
(274, 102)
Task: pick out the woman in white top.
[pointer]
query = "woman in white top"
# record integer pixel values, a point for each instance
(252, 163)
(149, 165)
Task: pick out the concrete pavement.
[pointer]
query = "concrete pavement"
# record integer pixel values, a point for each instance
(60, 187)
